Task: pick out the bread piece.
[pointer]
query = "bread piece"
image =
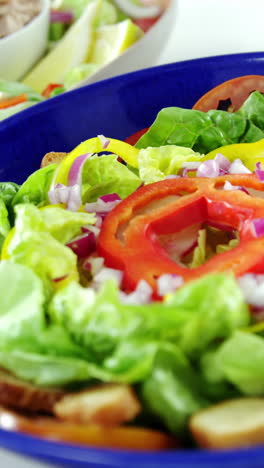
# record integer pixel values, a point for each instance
(108, 405)
(16, 393)
(52, 158)
(230, 424)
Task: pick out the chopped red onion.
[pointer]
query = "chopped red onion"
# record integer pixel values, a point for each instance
(102, 207)
(223, 163)
(57, 280)
(110, 197)
(141, 295)
(83, 245)
(172, 176)
(108, 273)
(189, 166)
(137, 11)
(75, 172)
(258, 226)
(74, 200)
(237, 167)
(259, 172)
(253, 289)
(64, 16)
(229, 186)
(59, 194)
(168, 283)
(104, 141)
(208, 168)
(94, 229)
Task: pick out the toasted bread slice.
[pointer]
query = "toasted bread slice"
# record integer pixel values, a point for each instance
(230, 424)
(17, 394)
(108, 405)
(52, 158)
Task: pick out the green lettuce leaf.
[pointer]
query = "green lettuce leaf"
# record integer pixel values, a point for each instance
(156, 163)
(8, 191)
(173, 391)
(33, 245)
(14, 88)
(104, 174)
(64, 225)
(239, 360)
(35, 188)
(205, 131)
(79, 73)
(9, 111)
(30, 346)
(124, 338)
(4, 222)
(214, 306)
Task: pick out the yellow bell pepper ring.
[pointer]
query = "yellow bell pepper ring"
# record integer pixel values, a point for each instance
(249, 153)
(95, 145)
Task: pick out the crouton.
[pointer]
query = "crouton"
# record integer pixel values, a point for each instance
(230, 424)
(107, 405)
(52, 158)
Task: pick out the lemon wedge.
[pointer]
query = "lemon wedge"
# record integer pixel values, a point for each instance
(71, 51)
(112, 40)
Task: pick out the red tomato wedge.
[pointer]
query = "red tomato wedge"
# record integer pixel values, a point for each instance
(234, 92)
(133, 139)
(145, 23)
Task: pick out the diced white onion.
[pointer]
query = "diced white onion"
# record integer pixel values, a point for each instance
(168, 283)
(141, 295)
(253, 289)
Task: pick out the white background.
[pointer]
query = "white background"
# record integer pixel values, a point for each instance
(202, 28)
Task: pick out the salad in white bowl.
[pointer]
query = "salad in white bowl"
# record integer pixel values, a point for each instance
(84, 37)
(135, 318)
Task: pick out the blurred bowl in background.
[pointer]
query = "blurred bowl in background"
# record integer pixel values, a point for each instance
(20, 50)
(144, 53)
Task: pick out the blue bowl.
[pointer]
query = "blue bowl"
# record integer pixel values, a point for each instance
(116, 108)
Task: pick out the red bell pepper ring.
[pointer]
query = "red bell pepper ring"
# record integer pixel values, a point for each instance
(130, 238)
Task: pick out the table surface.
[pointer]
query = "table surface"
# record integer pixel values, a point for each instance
(202, 28)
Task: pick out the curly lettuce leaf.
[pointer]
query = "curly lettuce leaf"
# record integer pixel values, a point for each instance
(239, 360)
(156, 163)
(174, 390)
(35, 188)
(34, 246)
(205, 131)
(214, 306)
(104, 174)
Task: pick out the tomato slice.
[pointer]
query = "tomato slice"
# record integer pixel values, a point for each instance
(133, 139)
(145, 23)
(231, 94)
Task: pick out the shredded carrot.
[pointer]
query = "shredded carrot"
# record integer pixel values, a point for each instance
(4, 104)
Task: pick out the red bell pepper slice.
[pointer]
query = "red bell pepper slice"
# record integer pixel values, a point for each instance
(48, 90)
(131, 235)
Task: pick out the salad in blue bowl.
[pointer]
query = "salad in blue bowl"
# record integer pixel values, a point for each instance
(132, 270)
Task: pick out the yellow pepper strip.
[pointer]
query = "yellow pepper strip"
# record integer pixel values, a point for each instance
(94, 145)
(249, 153)
(256, 328)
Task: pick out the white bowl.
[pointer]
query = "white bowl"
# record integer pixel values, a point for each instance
(21, 50)
(144, 53)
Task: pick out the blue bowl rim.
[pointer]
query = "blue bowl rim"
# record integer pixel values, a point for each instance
(49, 104)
